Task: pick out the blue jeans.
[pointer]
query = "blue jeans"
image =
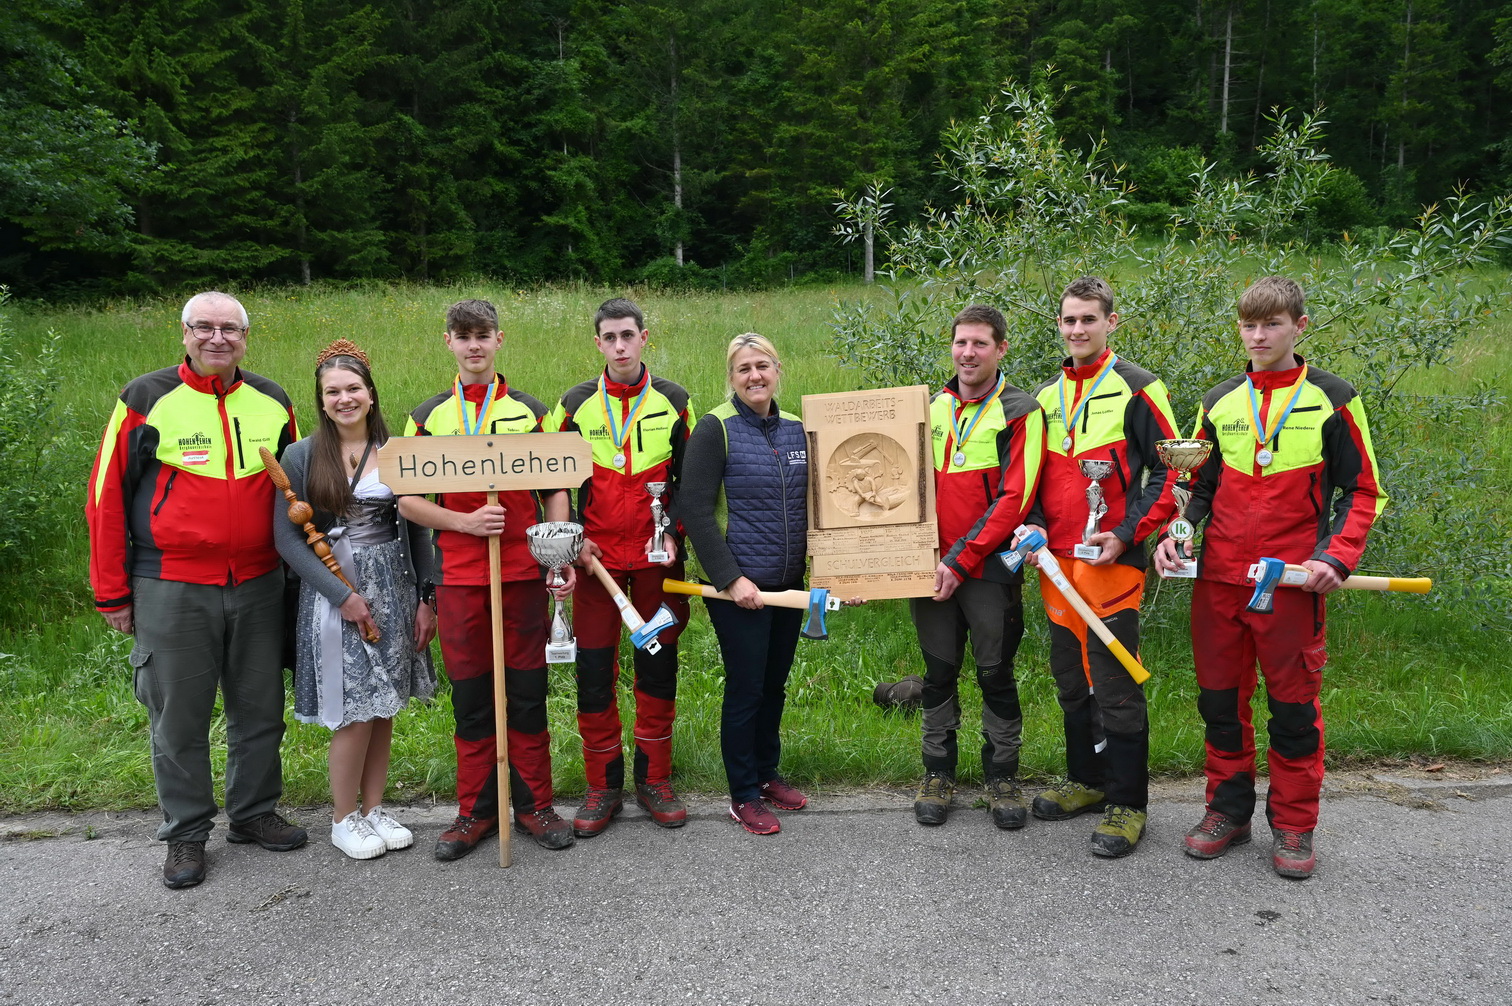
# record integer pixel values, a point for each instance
(757, 648)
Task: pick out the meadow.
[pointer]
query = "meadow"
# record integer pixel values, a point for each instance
(1408, 677)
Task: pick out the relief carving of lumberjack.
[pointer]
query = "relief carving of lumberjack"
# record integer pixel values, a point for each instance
(866, 475)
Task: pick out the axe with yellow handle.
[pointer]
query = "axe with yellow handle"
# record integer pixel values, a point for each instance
(1049, 567)
(816, 601)
(1270, 573)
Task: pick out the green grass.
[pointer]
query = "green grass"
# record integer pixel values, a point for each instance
(1405, 677)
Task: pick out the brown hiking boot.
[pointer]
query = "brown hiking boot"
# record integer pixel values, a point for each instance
(269, 831)
(185, 865)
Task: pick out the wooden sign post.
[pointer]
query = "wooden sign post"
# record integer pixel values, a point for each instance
(872, 530)
(488, 463)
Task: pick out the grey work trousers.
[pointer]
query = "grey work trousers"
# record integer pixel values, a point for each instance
(992, 614)
(191, 640)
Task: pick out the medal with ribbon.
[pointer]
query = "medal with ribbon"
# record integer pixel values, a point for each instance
(620, 433)
(477, 427)
(963, 432)
(1069, 421)
(1263, 457)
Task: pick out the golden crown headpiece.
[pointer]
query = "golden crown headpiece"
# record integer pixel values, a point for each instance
(342, 347)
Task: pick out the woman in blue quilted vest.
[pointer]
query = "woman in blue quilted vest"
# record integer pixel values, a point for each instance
(742, 503)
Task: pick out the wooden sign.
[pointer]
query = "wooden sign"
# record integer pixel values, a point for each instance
(871, 506)
(418, 466)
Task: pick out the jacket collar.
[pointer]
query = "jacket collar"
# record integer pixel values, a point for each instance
(619, 390)
(953, 387)
(1270, 380)
(749, 414)
(1087, 371)
(209, 384)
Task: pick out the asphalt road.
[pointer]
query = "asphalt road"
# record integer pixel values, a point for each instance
(852, 903)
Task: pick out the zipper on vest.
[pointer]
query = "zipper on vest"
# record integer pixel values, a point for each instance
(766, 431)
(241, 458)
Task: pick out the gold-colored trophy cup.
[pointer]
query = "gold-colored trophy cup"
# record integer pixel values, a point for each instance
(1183, 458)
(1097, 506)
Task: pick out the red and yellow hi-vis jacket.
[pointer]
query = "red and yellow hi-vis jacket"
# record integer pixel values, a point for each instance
(1127, 413)
(178, 490)
(613, 502)
(1316, 499)
(461, 558)
(979, 502)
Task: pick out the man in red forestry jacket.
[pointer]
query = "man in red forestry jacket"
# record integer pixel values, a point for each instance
(989, 445)
(181, 555)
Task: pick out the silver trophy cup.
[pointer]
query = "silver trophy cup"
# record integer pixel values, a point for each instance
(1183, 458)
(556, 544)
(659, 523)
(1096, 506)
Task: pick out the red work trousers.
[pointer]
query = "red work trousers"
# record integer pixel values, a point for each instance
(466, 634)
(596, 621)
(1290, 649)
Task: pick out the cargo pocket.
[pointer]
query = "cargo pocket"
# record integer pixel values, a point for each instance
(1314, 657)
(143, 681)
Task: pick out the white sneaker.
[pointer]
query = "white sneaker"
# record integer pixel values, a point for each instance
(354, 836)
(394, 834)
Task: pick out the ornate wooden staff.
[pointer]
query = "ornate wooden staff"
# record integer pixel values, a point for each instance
(302, 515)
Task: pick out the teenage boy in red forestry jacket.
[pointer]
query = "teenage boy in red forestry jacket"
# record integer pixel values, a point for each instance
(1292, 476)
(638, 426)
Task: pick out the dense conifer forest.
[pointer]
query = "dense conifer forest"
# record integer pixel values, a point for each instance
(149, 145)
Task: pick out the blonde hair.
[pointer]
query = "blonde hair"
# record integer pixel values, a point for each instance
(749, 340)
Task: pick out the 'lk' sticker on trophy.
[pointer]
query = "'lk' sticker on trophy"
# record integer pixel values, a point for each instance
(1263, 457)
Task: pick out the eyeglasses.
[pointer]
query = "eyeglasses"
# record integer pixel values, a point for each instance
(231, 333)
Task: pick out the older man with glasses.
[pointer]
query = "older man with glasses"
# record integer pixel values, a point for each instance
(181, 556)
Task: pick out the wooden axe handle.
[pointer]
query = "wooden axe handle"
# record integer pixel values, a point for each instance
(627, 611)
(1050, 567)
(1295, 576)
(776, 598)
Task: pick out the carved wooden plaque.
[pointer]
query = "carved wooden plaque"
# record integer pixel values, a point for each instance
(871, 500)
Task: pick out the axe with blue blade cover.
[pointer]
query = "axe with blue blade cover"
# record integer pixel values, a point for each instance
(643, 633)
(1049, 567)
(1270, 573)
(817, 601)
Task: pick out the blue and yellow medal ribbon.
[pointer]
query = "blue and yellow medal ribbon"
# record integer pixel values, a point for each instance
(477, 427)
(621, 433)
(963, 433)
(1069, 420)
(1262, 435)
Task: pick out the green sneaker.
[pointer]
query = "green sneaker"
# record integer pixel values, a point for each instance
(1119, 831)
(1006, 802)
(932, 802)
(1065, 800)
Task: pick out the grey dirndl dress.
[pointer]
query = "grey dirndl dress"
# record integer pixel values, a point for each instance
(377, 679)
